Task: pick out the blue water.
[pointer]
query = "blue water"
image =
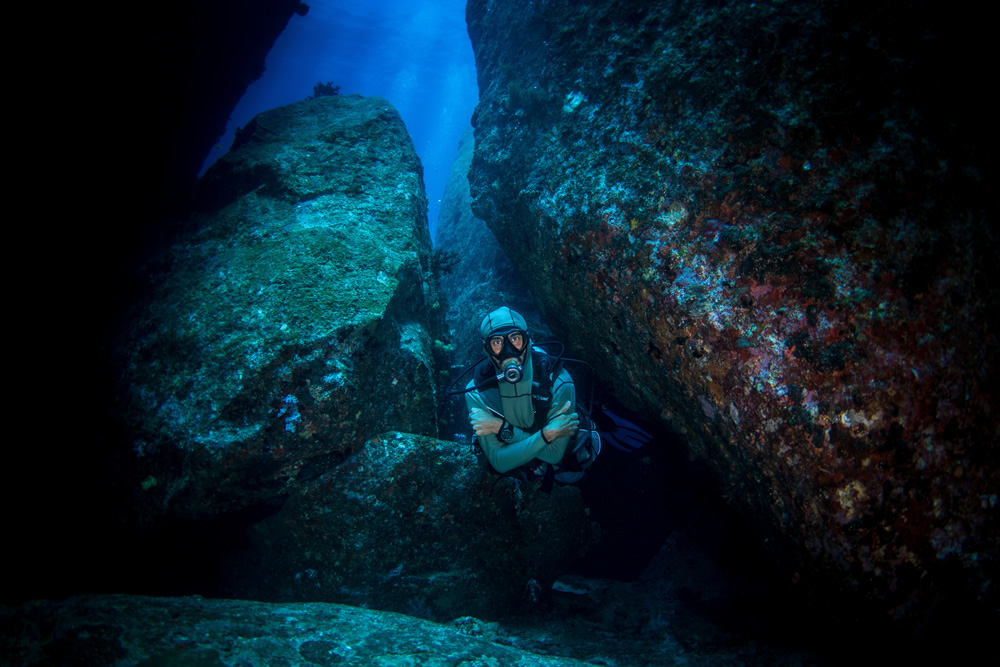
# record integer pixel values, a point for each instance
(415, 53)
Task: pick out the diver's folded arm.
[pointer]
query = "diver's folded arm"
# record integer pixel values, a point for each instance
(553, 452)
(504, 457)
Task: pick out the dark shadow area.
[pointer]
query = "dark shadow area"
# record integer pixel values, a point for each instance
(629, 495)
(70, 534)
(188, 556)
(641, 497)
(649, 498)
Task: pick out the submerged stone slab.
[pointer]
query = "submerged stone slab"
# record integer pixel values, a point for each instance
(288, 325)
(132, 630)
(766, 223)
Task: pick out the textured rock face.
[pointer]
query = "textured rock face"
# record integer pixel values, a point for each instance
(482, 278)
(760, 223)
(290, 325)
(415, 525)
(107, 630)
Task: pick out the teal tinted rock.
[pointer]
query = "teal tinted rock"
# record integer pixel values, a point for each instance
(133, 630)
(483, 278)
(290, 323)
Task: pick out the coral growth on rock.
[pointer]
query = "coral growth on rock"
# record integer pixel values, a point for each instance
(766, 223)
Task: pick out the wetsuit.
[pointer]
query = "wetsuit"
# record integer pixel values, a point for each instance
(513, 402)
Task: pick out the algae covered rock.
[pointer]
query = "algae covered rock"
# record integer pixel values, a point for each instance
(133, 630)
(767, 224)
(288, 324)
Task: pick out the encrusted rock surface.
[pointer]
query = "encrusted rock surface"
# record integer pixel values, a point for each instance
(766, 224)
(289, 325)
(480, 278)
(131, 630)
(415, 525)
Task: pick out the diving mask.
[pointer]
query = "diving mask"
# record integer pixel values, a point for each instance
(508, 351)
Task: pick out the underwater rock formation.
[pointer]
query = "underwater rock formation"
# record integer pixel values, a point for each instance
(414, 525)
(765, 223)
(120, 629)
(482, 278)
(288, 326)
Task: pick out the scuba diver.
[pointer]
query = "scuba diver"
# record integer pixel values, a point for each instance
(523, 410)
(511, 429)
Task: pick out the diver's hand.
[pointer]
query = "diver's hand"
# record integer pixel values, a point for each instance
(483, 422)
(561, 423)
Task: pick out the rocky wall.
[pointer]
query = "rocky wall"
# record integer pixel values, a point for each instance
(766, 224)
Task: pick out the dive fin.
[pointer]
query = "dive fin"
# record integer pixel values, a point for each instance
(625, 435)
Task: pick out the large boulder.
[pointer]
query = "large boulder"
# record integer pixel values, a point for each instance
(289, 325)
(768, 221)
(273, 343)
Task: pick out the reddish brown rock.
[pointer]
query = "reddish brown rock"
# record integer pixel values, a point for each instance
(767, 224)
